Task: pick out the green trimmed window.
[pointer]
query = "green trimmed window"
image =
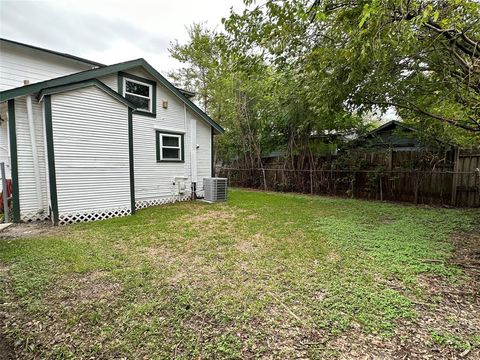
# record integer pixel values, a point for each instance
(140, 92)
(170, 147)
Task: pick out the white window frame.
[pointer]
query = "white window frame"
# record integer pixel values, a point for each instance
(179, 147)
(150, 91)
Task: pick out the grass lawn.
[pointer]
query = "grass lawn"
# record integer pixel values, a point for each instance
(264, 275)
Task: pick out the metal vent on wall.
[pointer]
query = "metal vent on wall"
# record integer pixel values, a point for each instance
(215, 189)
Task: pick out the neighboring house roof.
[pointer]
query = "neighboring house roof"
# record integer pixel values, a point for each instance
(103, 71)
(391, 125)
(387, 135)
(68, 56)
(84, 84)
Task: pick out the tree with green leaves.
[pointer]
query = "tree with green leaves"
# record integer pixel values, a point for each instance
(284, 71)
(238, 95)
(202, 59)
(421, 57)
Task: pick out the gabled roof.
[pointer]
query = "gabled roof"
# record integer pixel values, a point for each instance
(387, 135)
(84, 84)
(103, 71)
(68, 56)
(391, 125)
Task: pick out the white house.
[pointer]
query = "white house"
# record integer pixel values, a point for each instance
(85, 141)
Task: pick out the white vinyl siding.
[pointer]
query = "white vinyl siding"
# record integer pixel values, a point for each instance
(204, 154)
(155, 180)
(4, 141)
(91, 151)
(90, 135)
(19, 63)
(172, 117)
(111, 81)
(26, 173)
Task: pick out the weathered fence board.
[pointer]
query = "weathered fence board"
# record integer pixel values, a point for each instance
(468, 184)
(421, 187)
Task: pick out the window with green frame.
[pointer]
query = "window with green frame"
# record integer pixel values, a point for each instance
(140, 92)
(170, 147)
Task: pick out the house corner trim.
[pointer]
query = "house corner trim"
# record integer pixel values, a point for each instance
(212, 150)
(14, 160)
(131, 160)
(51, 158)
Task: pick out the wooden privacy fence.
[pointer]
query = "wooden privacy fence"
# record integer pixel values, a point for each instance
(437, 187)
(465, 183)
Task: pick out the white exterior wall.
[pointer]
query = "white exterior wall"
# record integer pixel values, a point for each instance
(91, 153)
(90, 136)
(111, 81)
(19, 63)
(4, 140)
(154, 180)
(204, 154)
(29, 210)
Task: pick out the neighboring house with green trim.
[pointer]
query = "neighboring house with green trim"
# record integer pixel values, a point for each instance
(84, 141)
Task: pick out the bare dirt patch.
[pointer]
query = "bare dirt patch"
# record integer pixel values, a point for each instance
(333, 257)
(213, 215)
(89, 287)
(252, 244)
(209, 220)
(467, 253)
(28, 230)
(181, 266)
(6, 345)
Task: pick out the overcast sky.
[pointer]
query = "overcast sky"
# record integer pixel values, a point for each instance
(110, 31)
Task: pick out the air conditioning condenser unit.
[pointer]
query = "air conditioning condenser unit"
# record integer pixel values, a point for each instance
(215, 189)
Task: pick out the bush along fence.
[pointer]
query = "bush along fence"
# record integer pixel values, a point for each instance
(457, 187)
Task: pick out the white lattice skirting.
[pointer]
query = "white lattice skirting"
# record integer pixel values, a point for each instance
(142, 204)
(94, 215)
(33, 216)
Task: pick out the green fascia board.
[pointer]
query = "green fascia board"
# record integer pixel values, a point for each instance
(67, 79)
(108, 70)
(84, 84)
(68, 56)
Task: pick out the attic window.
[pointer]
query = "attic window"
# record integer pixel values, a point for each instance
(138, 93)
